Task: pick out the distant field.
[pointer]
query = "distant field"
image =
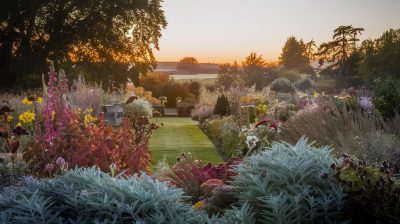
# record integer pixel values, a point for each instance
(197, 76)
(181, 135)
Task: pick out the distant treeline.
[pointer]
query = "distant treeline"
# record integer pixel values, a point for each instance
(177, 68)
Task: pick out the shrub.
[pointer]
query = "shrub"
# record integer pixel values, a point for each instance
(139, 107)
(222, 106)
(378, 146)
(387, 96)
(213, 130)
(243, 215)
(290, 184)
(372, 195)
(282, 85)
(223, 132)
(201, 112)
(290, 74)
(111, 150)
(355, 132)
(304, 84)
(229, 132)
(91, 196)
(189, 175)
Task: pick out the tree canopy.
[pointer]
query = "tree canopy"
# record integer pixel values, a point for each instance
(188, 64)
(381, 57)
(107, 39)
(343, 44)
(294, 54)
(253, 68)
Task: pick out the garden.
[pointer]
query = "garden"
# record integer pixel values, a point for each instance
(87, 134)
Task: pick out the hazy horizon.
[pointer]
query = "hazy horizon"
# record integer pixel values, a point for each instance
(228, 30)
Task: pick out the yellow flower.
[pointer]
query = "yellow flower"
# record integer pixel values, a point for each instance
(39, 100)
(19, 124)
(26, 101)
(262, 108)
(199, 205)
(315, 94)
(89, 110)
(27, 117)
(9, 118)
(89, 119)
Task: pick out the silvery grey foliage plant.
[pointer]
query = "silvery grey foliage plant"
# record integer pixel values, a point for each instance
(91, 196)
(290, 184)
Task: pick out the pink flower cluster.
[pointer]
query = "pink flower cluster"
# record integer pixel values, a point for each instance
(56, 114)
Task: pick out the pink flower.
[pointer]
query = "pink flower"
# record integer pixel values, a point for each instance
(49, 167)
(60, 161)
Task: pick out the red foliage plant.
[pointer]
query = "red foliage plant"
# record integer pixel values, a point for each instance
(190, 175)
(111, 150)
(62, 136)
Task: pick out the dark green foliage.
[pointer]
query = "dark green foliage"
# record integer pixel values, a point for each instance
(372, 195)
(343, 44)
(294, 54)
(91, 196)
(254, 71)
(282, 85)
(290, 184)
(104, 37)
(304, 84)
(387, 96)
(381, 57)
(222, 106)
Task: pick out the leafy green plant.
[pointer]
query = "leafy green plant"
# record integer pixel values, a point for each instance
(282, 85)
(386, 97)
(91, 196)
(372, 194)
(290, 184)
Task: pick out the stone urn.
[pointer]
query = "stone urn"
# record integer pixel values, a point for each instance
(113, 113)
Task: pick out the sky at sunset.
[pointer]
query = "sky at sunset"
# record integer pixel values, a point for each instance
(220, 31)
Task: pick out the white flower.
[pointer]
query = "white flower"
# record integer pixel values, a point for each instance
(251, 141)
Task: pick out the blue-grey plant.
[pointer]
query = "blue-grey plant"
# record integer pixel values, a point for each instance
(91, 196)
(290, 184)
(238, 215)
(282, 85)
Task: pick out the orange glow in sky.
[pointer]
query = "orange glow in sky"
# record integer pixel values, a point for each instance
(227, 30)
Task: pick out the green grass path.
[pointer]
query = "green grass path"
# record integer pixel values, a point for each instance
(181, 135)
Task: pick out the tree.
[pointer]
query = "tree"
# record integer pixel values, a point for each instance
(227, 74)
(381, 57)
(194, 88)
(188, 64)
(254, 71)
(294, 54)
(338, 51)
(91, 36)
(222, 106)
(310, 50)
